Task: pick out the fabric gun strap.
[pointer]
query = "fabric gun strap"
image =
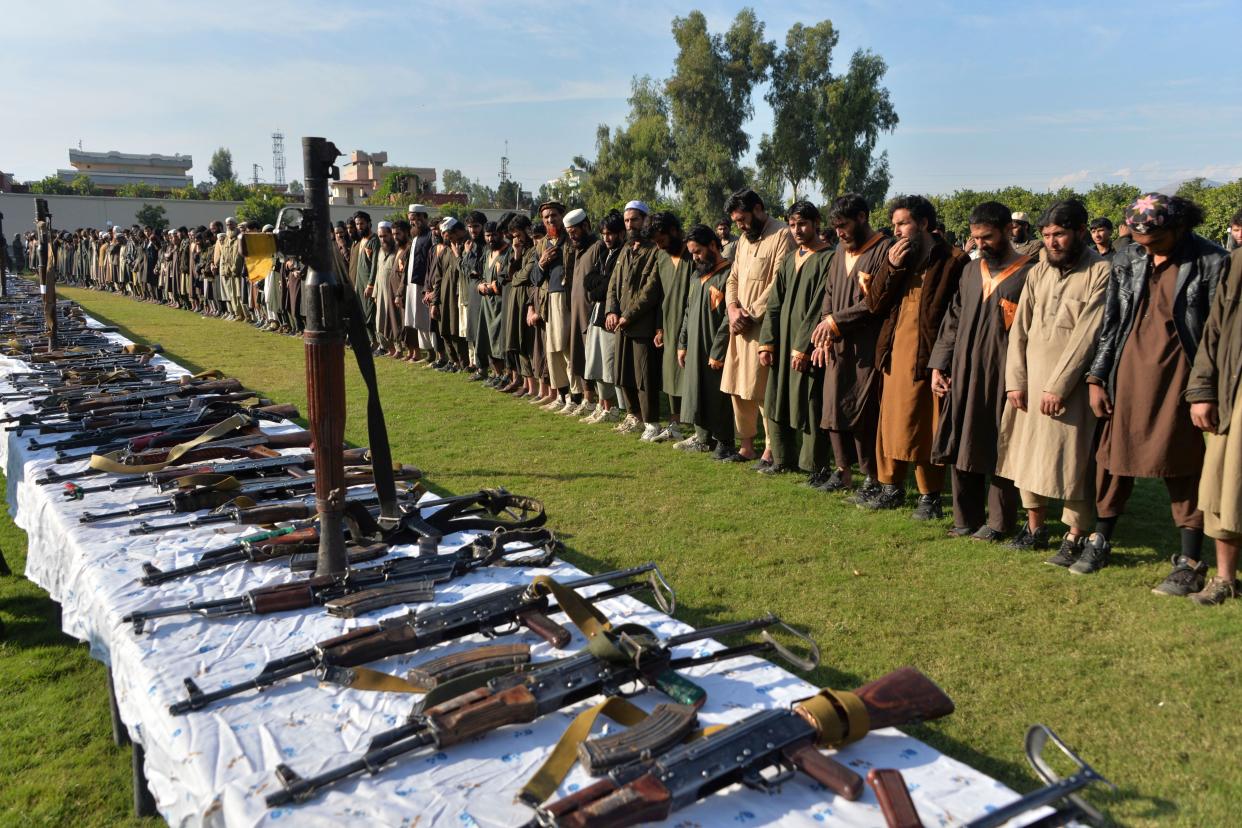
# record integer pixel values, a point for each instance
(840, 717)
(377, 430)
(111, 462)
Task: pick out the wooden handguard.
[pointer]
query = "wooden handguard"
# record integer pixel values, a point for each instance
(381, 643)
(286, 410)
(828, 772)
(290, 439)
(479, 712)
(894, 798)
(544, 627)
(275, 513)
(643, 800)
(285, 597)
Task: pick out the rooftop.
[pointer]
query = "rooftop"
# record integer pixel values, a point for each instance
(178, 161)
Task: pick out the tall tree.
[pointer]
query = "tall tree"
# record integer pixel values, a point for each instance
(854, 110)
(1110, 200)
(453, 181)
(630, 162)
(221, 166)
(709, 98)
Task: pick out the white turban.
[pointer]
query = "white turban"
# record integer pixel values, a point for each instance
(639, 206)
(448, 224)
(385, 225)
(575, 217)
(418, 208)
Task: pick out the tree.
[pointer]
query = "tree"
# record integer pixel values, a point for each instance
(82, 185)
(51, 185)
(228, 190)
(709, 99)
(187, 193)
(1219, 205)
(854, 109)
(296, 188)
(221, 166)
(630, 162)
(151, 215)
(262, 205)
(509, 195)
(1110, 200)
(397, 183)
(454, 181)
(800, 73)
(138, 190)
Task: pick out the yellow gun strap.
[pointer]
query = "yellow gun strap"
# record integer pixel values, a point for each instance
(111, 462)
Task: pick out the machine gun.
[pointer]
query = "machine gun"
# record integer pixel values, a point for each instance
(499, 613)
(615, 660)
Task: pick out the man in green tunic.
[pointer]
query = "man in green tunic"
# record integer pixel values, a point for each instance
(362, 258)
(702, 343)
(791, 401)
(674, 270)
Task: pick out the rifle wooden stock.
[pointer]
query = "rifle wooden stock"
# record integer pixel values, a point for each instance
(903, 697)
(894, 798)
(643, 800)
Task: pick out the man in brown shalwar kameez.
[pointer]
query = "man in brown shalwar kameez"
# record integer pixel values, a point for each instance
(633, 314)
(912, 291)
(1157, 304)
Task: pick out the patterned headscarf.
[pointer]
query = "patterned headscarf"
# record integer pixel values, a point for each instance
(1149, 212)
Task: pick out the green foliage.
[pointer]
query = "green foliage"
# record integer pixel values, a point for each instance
(855, 110)
(221, 166)
(296, 188)
(229, 190)
(509, 196)
(1219, 205)
(83, 186)
(1101, 200)
(187, 193)
(138, 190)
(51, 185)
(152, 215)
(1110, 200)
(630, 162)
(262, 205)
(478, 195)
(397, 184)
(709, 98)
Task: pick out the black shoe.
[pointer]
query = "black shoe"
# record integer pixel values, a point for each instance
(1094, 557)
(889, 497)
(816, 478)
(1027, 540)
(477, 376)
(772, 468)
(1188, 576)
(962, 531)
(1069, 553)
(761, 465)
(835, 482)
(724, 452)
(866, 491)
(928, 507)
(988, 535)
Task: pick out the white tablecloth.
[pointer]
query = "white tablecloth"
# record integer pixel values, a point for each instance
(214, 767)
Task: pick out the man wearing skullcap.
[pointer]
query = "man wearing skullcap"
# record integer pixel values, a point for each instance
(417, 317)
(554, 263)
(470, 300)
(380, 290)
(230, 264)
(675, 266)
(589, 258)
(1158, 301)
(1020, 235)
(634, 297)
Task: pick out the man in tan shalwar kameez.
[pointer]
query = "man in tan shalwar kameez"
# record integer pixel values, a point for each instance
(764, 244)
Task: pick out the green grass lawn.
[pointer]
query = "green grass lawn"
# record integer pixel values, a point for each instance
(1142, 686)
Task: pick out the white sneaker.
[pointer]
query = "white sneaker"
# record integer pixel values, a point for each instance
(629, 425)
(596, 416)
(691, 442)
(671, 432)
(612, 415)
(650, 432)
(586, 411)
(554, 406)
(572, 409)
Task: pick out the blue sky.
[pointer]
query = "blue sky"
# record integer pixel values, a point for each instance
(1037, 94)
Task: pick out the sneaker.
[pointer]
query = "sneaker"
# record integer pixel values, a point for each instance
(962, 532)
(556, 406)
(760, 464)
(1216, 591)
(629, 425)
(1188, 577)
(575, 409)
(692, 444)
(836, 482)
(773, 469)
(1069, 553)
(816, 478)
(650, 432)
(612, 415)
(724, 452)
(670, 432)
(865, 492)
(1094, 557)
(597, 415)
(477, 376)
(988, 535)
(928, 507)
(1027, 540)
(888, 497)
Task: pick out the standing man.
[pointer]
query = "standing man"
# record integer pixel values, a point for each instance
(416, 322)
(728, 242)
(912, 291)
(793, 398)
(1102, 236)
(491, 318)
(553, 272)
(589, 256)
(473, 262)
(1048, 430)
(1020, 235)
(845, 347)
(675, 266)
(702, 343)
(601, 345)
(764, 244)
(380, 291)
(230, 265)
(968, 375)
(1156, 308)
(442, 286)
(1216, 408)
(362, 258)
(634, 297)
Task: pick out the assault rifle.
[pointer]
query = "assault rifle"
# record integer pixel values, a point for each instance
(498, 613)
(782, 739)
(635, 655)
(194, 500)
(44, 423)
(177, 426)
(424, 572)
(87, 401)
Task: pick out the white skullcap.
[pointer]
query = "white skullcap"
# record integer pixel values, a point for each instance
(385, 225)
(639, 206)
(448, 224)
(230, 220)
(1020, 216)
(575, 217)
(418, 208)
(267, 228)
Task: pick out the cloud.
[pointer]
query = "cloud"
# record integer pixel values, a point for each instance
(1070, 179)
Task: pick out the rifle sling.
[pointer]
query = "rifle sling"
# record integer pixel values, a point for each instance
(840, 717)
(111, 462)
(377, 430)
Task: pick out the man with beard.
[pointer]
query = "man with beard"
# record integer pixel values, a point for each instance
(793, 398)
(1045, 446)
(589, 256)
(1216, 409)
(554, 262)
(519, 336)
(968, 375)
(728, 242)
(634, 298)
(491, 318)
(845, 343)
(912, 291)
(362, 258)
(1102, 236)
(674, 269)
(380, 289)
(764, 244)
(473, 263)
(702, 343)
(1020, 235)
(416, 323)
(600, 345)
(1155, 310)
(442, 285)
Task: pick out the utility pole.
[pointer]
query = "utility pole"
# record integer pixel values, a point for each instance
(254, 172)
(278, 158)
(504, 175)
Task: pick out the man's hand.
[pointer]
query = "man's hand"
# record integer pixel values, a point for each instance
(820, 357)
(765, 359)
(898, 252)
(369, 291)
(1017, 399)
(658, 339)
(714, 364)
(681, 358)
(1051, 405)
(940, 383)
(1100, 403)
(1205, 416)
(822, 335)
(549, 253)
(800, 363)
(622, 322)
(434, 313)
(610, 322)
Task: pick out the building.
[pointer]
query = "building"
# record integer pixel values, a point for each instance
(111, 170)
(365, 173)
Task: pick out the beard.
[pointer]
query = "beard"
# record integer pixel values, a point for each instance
(754, 232)
(498, 244)
(1067, 256)
(633, 235)
(388, 244)
(992, 257)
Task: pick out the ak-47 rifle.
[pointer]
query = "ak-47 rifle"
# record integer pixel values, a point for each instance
(123, 415)
(423, 572)
(497, 613)
(47, 274)
(176, 426)
(740, 752)
(616, 659)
